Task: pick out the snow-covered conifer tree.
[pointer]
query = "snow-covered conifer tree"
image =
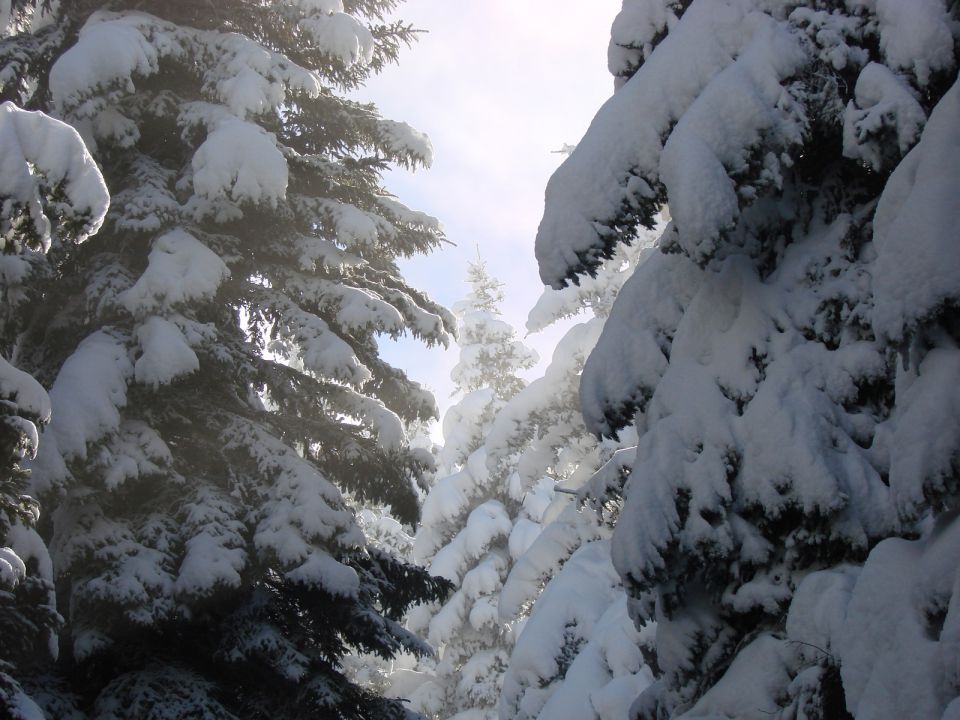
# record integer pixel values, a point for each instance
(212, 360)
(52, 197)
(575, 654)
(465, 523)
(790, 358)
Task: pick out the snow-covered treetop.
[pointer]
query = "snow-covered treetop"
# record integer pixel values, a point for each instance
(490, 354)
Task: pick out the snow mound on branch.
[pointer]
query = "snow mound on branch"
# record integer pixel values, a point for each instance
(404, 141)
(916, 36)
(109, 51)
(580, 616)
(87, 394)
(39, 154)
(741, 106)
(27, 394)
(612, 166)
(179, 269)
(915, 227)
(166, 353)
(893, 625)
(340, 35)
(486, 523)
(85, 400)
(633, 32)
(239, 160)
(250, 79)
(882, 99)
(113, 49)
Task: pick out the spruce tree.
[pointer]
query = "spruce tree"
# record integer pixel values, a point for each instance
(466, 523)
(576, 652)
(788, 358)
(218, 400)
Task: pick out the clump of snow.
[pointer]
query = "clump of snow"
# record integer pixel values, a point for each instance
(403, 141)
(581, 618)
(239, 160)
(180, 269)
(87, 394)
(250, 79)
(743, 104)
(407, 216)
(109, 51)
(635, 28)
(38, 155)
(628, 134)
(915, 227)
(112, 49)
(340, 35)
(27, 394)
(166, 355)
(882, 100)
(917, 36)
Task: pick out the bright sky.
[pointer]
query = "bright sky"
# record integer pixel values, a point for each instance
(498, 85)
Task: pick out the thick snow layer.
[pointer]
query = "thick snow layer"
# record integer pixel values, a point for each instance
(462, 424)
(915, 227)
(485, 524)
(544, 558)
(892, 625)
(109, 51)
(180, 269)
(12, 569)
(251, 80)
(340, 35)
(215, 552)
(239, 160)
(883, 100)
(741, 106)
(635, 356)
(580, 616)
(634, 30)
(301, 514)
(404, 141)
(87, 394)
(922, 436)
(615, 162)
(37, 155)
(916, 36)
(757, 675)
(165, 355)
(21, 389)
(113, 49)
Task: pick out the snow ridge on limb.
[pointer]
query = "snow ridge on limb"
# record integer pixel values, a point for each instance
(43, 160)
(591, 206)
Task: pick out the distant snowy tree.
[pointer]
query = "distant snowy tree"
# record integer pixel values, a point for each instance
(212, 360)
(575, 655)
(486, 375)
(52, 197)
(790, 358)
(465, 524)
